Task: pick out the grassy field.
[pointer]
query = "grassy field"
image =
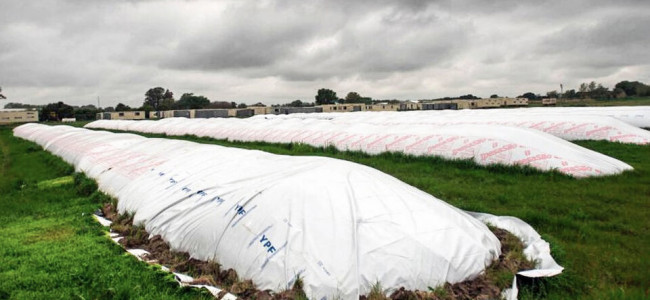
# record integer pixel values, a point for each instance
(598, 227)
(51, 248)
(631, 101)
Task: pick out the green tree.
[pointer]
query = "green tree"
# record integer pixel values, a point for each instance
(22, 105)
(634, 88)
(529, 96)
(583, 90)
(552, 94)
(242, 105)
(352, 97)
(222, 104)
(56, 112)
(619, 93)
(159, 98)
(494, 96)
(592, 86)
(295, 103)
(86, 112)
(570, 94)
(191, 101)
(326, 96)
(122, 107)
(166, 104)
(600, 92)
(146, 107)
(468, 96)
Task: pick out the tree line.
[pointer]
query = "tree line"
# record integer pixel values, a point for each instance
(155, 99)
(593, 90)
(158, 99)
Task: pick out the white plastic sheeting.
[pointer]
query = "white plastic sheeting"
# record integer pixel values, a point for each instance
(340, 226)
(535, 247)
(638, 116)
(568, 124)
(485, 144)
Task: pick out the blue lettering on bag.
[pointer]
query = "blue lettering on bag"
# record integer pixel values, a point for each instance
(267, 244)
(218, 199)
(240, 210)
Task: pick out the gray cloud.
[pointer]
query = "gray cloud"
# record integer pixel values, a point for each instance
(274, 51)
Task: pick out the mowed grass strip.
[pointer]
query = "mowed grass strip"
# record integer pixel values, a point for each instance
(599, 228)
(50, 246)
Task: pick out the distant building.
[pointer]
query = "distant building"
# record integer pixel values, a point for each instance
(342, 107)
(240, 112)
(516, 101)
(439, 106)
(285, 110)
(261, 110)
(549, 101)
(382, 107)
(211, 113)
(475, 103)
(8, 116)
(410, 105)
(121, 115)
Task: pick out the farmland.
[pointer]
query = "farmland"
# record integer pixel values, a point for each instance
(51, 248)
(597, 227)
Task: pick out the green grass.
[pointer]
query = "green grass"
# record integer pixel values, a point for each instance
(599, 228)
(630, 101)
(51, 248)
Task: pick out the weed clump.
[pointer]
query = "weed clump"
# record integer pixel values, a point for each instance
(84, 186)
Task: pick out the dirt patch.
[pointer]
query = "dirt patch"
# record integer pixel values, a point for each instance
(488, 285)
(204, 272)
(56, 233)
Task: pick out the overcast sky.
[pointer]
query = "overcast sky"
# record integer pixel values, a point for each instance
(279, 51)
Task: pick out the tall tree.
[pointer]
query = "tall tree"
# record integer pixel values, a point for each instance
(159, 98)
(570, 94)
(582, 91)
(56, 112)
(191, 101)
(86, 112)
(326, 96)
(352, 97)
(634, 88)
(592, 86)
(600, 92)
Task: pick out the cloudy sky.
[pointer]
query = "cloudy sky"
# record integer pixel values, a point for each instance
(278, 51)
